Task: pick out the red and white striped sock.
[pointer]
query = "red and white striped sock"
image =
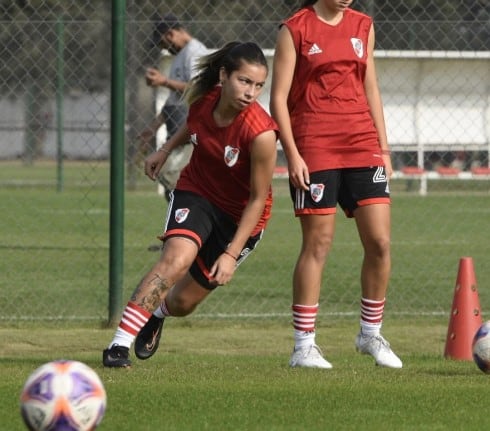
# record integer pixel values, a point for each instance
(371, 316)
(133, 319)
(304, 319)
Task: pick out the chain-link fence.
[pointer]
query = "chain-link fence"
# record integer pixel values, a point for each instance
(433, 60)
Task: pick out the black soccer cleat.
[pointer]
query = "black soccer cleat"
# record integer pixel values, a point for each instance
(148, 339)
(116, 357)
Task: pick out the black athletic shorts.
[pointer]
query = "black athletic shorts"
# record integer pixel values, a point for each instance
(191, 216)
(348, 187)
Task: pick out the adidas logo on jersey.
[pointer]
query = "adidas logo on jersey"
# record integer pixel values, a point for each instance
(315, 49)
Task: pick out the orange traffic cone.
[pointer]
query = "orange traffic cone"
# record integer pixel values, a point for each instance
(465, 317)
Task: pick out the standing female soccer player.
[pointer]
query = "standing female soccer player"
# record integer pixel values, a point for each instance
(222, 201)
(326, 101)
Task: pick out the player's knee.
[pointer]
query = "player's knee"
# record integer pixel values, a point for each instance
(175, 266)
(379, 248)
(319, 247)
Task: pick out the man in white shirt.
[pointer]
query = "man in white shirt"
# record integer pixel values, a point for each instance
(170, 34)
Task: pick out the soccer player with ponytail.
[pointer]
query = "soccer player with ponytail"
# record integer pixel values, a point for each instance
(222, 201)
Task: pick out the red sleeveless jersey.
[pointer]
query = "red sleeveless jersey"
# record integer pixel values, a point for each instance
(330, 116)
(220, 166)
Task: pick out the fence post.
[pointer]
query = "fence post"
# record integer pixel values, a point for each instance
(60, 85)
(117, 161)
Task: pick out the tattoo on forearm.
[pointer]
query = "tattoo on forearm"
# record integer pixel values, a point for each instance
(156, 286)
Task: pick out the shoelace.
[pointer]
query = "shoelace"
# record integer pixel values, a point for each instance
(380, 342)
(316, 351)
(119, 352)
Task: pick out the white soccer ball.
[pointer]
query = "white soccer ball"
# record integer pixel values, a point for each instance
(481, 347)
(63, 396)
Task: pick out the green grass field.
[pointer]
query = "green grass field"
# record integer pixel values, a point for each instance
(235, 377)
(226, 367)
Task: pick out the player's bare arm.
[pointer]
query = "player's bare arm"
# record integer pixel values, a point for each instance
(263, 158)
(375, 103)
(282, 78)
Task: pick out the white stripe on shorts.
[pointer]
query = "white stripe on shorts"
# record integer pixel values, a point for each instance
(300, 199)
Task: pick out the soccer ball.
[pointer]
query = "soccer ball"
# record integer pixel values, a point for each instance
(481, 347)
(63, 396)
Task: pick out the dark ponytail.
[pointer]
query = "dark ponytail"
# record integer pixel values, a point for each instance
(229, 58)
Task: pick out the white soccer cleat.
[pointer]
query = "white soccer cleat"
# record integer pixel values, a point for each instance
(309, 357)
(379, 349)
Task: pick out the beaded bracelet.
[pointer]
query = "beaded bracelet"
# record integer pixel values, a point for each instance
(164, 150)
